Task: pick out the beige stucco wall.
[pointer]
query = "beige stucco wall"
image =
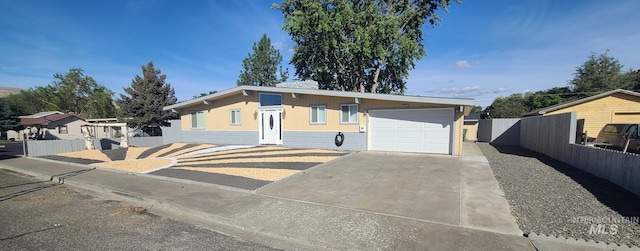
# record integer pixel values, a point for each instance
(297, 114)
(218, 113)
(457, 136)
(597, 113)
(472, 130)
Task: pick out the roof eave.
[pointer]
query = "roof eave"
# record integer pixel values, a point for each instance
(389, 97)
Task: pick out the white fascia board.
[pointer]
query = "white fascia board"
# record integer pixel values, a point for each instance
(346, 94)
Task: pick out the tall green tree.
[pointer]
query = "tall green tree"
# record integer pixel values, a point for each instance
(8, 117)
(631, 80)
(142, 105)
(358, 45)
(71, 92)
(75, 92)
(261, 66)
(202, 94)
(33, 100)
(476, 109)
(546, 98)
(600, 73)
(506, 107)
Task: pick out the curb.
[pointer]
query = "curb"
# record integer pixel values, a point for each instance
(171, 210)
(581, 242)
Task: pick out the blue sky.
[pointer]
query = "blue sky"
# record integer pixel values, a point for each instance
(482, 49)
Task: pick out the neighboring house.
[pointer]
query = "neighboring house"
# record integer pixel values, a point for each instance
(470, 127)
(105, 131)
(617, 106)
(311, 118)
(53, 125)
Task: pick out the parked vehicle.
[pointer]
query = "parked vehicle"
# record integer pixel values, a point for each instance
(619, 136)
(146, 132)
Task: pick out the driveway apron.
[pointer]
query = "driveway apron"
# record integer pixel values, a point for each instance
(449, 190)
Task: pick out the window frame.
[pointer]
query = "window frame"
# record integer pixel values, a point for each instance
(232, 117)
(66, 129)
(357, 112)
(311, 115)
(197, 127)
(274, 94)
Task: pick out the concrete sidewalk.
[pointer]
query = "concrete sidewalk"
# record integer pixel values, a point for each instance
(285, 222)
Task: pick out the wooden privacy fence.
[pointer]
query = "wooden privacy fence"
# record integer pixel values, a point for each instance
(170, 134)
(554, 136)
(51, 147)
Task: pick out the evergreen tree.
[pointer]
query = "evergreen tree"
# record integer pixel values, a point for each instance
(260, 67)
(147, 95)
(8, 118)
(597, 75)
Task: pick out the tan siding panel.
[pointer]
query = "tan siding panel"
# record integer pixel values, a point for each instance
(626, 118)
(472, 130)
(599, 112)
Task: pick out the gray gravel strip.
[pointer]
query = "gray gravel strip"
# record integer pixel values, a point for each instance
(72, 160)
(550, 197)
(153, 150)
(116, 154)
(187, 146)
(270, 165)
(213, 178)
(250, 156)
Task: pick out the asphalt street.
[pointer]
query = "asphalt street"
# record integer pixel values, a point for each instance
(43, 215)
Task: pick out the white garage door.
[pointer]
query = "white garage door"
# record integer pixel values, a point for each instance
(416, 130)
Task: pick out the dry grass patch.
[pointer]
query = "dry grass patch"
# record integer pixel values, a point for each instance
(258, 160)
(252, 173)
(136, 165)
(87, 154)
(191, 149)
(134, 152)
(164, 150)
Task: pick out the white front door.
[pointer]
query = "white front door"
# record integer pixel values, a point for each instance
(269, 121)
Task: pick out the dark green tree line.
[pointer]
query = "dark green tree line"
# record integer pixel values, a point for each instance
(70, 92)
(600, 73)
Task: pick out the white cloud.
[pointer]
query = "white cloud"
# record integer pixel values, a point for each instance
(462, 64)
(467, 91)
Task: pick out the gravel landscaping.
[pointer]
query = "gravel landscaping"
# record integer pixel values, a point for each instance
(553, 198)
(244, 167)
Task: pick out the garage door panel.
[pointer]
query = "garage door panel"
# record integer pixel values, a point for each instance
(424, 130)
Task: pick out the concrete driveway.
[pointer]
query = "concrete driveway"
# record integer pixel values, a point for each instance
(455, 191)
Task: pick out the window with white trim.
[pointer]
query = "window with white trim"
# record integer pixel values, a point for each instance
(349, 114)
(318, 114)
(235, 117)
(62, 129)
(197, 120)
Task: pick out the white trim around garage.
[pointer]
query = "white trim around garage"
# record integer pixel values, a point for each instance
(429, 130)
